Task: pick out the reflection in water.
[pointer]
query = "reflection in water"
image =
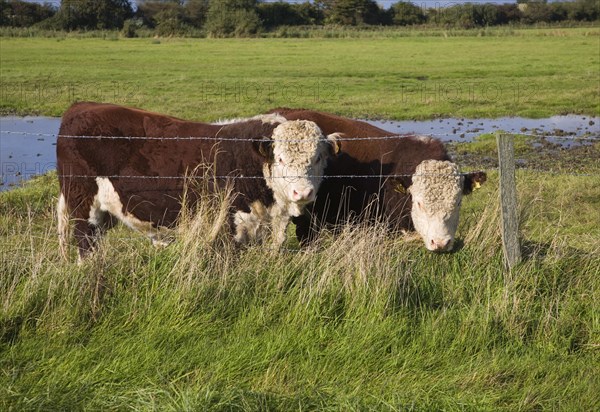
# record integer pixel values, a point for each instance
(31, 149)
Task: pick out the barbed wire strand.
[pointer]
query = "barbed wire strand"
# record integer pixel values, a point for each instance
(210, 138)
(378, 176)
(557, 172)
(266, 178)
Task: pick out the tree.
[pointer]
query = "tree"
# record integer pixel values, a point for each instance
(289, 14)
(486, 14)
(278, 14)
(195, 12)
(508, 13)
(353, 12)
(173, 17)
(310, 13)
(93, 14)
(406, 14)
(232, 18)
(468, 15)
(584, 10)
(153, 12)
(558, 11)
(18, 13)
(169, 21)
(537, 12)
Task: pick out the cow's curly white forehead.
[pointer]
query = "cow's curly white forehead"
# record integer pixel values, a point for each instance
(438, 184)
(297, 138)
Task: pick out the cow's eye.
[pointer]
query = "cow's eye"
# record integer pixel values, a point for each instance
(420, 205)
(317, 159)
(280, 160)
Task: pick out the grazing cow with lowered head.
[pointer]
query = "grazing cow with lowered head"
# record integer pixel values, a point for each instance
(130, 165)
(424, 192)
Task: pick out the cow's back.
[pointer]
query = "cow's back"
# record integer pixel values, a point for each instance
(331, 123)
(77, 150)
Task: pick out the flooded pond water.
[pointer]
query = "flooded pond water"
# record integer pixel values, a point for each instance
(562, 130)
(28, 144)
(27, 148)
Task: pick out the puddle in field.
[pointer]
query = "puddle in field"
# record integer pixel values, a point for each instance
(562, 130)
(26, 154)
(28, 144)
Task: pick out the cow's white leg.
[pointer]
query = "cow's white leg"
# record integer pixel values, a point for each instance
(279, 227)
(88, 230)
(280, 219)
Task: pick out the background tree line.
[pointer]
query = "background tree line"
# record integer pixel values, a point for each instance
(247, 17)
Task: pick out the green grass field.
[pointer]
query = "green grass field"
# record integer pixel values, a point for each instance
(531, 73)
(361, 322)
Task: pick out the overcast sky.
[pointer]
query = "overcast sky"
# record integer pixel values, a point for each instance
(384, 3)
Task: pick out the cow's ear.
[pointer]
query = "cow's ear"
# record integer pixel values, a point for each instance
(473, 181)
(264, 147)
(334, 143)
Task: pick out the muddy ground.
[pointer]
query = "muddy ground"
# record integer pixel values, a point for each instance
(580, 156)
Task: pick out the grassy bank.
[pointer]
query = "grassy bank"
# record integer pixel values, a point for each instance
(531, 73)
(361, 322)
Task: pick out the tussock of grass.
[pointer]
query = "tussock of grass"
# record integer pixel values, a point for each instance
(361, 321)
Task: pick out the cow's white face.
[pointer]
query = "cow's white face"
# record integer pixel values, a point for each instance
(300, 152)
(436, 190)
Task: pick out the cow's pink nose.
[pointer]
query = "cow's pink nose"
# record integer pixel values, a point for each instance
(440, 244)
(305, 194)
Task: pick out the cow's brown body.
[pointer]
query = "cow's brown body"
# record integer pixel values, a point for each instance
(340, 200)
(147, 173)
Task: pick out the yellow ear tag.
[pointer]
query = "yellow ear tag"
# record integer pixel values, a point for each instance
(476, 185)
(400, 189)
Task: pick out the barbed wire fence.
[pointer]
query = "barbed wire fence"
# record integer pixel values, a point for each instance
(572, 138)
(506, 170)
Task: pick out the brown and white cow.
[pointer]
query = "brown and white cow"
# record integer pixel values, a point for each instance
(427, 198)
(273, 165)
